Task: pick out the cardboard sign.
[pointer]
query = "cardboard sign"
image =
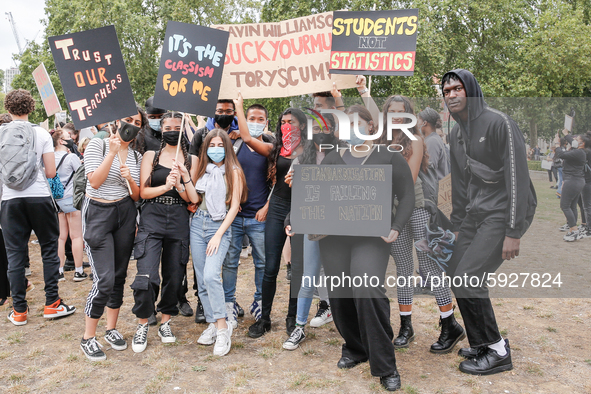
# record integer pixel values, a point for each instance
(568, 122)
(282, 59)
(93, 76)
(374, 42)
(48, 97)
(191, 68)
(342, 200)
(444, 201)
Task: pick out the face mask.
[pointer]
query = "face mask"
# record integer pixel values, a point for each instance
(128, 131)
(354, 140)
(322, 138)
(216, 153)
(154, 124)
(291, 138)
(223, 120)
(171, 137)
(255, 129)
(575, 144)
(70, 144)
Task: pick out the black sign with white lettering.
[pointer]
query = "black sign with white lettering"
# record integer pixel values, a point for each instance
(342, 200)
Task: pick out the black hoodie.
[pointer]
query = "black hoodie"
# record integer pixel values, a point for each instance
(494, 140)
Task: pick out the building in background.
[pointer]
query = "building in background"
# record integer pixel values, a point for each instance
(8, 77)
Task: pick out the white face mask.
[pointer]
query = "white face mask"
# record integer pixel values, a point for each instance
(575, 144)
(255, 129)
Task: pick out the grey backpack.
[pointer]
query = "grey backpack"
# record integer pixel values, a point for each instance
(18, 157)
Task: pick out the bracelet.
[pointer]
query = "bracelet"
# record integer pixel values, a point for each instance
(340, 106)
(185, 183)
(363, 91)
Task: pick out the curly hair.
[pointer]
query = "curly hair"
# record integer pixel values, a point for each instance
(19, 102)
(5, 118)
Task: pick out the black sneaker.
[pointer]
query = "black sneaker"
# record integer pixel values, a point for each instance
(69, 266)
(185, 309)
(61, 277)
(165, 333)
(488, 362)
(199, 313)
(92, 349)
(115, 339)
(259, 328)
(238, 309)
(294, 340)
(79, 277)
(288, 275)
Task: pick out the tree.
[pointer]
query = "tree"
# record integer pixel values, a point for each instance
(1, 80)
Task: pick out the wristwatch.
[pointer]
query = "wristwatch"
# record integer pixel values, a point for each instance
(180, 191)
(363, 91)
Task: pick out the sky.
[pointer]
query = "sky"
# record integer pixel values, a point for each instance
(27, 14)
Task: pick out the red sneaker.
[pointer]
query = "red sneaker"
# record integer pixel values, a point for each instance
(18, 319)
(58, 309)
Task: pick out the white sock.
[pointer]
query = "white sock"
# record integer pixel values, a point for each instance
(499, 347)
(61, 270)
(446, 314)
(80, 269)
(405, 313)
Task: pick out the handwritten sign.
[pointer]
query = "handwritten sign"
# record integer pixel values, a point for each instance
(374, 42)
(342, 200)
(191, 68)
(444, 202)
(282, 59)
(48, 97)
(93, 76)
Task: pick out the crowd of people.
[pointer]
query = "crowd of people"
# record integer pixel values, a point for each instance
(156, 188)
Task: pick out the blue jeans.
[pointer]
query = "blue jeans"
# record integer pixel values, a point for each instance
(255, 231)
(559, 185)
(312, 265)
(209, 268)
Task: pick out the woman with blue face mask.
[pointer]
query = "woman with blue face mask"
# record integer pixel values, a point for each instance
(221, 188)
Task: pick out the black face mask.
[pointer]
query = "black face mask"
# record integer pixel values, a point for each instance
(70, 145)
(128, 131)
(171, 137)
(223, 120)
(322, 138)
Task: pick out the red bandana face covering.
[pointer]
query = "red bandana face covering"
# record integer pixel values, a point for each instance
(291, 137)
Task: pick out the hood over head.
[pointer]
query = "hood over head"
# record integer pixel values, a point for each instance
(476, 103)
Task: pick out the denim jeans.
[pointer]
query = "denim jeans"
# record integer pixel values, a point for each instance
(559, 185)
(255, 231)
(312, 265)
(209, 268)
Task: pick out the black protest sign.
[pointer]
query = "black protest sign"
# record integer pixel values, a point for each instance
(191, 68)
(342, 200)
(93, 76)
(374, 42)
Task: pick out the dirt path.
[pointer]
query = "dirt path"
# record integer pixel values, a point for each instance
(549, 340)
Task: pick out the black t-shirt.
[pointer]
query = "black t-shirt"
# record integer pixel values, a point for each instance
(282, 189)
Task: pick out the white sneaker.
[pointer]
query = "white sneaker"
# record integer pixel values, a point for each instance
(323, 316)
(571, 236)
(294, 340)
(208, 336)
(564, 227)
(165, 333)
(223, 341)
(140, 339)
(231, 315)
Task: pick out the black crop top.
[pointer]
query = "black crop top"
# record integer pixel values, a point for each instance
(159, 178)
(282, 189)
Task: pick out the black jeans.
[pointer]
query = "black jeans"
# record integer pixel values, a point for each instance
(109, 232)
(571, 190)
(297, 270)
(361, 314)
(20, 216)
(163, 232)
(274, 240)
(478, 251)
(4, 283)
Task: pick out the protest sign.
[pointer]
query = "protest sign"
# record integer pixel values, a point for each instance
(48, 97)
(342, 200)
(568, 122)
(374, 42)
(444, 201)
(93, 76)
(282, 59)
(191, 68)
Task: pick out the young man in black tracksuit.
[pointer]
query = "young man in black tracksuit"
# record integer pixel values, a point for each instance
(493, 205)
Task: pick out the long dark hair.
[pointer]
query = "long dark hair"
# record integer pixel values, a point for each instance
(402, 139)
(139, 143)
(230, 161)
(278, 143)
(184, 146)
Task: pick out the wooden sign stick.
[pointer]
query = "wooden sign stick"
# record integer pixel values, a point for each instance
(126, 181)
(178, 145)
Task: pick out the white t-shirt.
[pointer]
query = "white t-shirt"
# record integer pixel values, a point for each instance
(43, 144)
(68, 167)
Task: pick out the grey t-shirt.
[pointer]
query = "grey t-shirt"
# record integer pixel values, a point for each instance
(68, 167)
(437, 155)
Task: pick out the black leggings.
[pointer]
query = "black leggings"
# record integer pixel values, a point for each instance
(4, 284)
(586, 198)
(571, 190)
